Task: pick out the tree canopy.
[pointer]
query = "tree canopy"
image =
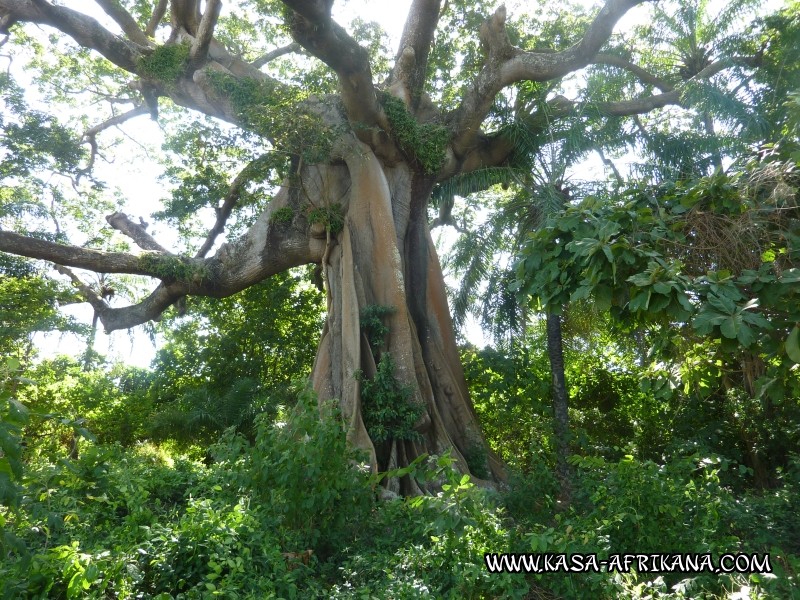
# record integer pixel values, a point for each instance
(233, 65)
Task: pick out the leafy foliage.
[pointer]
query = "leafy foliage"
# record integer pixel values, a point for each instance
(166, 63)
(273, 113)
(425, 143)
(388, 410)
(372, 324)
(331, 217)
(218, 369)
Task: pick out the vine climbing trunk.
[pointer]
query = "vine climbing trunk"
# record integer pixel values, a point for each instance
(384, 257)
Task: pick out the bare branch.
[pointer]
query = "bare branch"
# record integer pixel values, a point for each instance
(149, 309)
(266, 249)
(124, 19)
(277, 53)
(643, 75)
(88, 293)
(205, 32)
(82, 28)
(91, 134)
(638, 106)
(84, 258)
(122, 223)
(158, 13)
(610, 164)
(223, 212)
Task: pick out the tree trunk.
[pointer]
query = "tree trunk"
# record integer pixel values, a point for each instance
(384, 256)
(555, 351)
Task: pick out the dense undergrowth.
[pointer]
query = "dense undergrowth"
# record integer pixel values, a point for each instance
(290, 513)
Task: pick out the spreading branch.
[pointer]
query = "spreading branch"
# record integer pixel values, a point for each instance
(224, 211)
(82, 258)
(158, 14)
(90, 136)
(124, 19)
(199, 50)
(84, 290)
(493, 150)
(506, 64)
(85, 30)
(266, 249)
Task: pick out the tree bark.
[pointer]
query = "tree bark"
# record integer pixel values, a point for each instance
(555, 351)
(384, 256)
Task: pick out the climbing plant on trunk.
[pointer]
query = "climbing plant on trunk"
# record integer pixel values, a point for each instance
(357, 164)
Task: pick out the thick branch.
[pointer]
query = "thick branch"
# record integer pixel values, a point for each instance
(124, 19)
(205, 32)
(411, 62)
(506, 65)
(82, 28)
(266, 249)
(313, 28)
(122, 223)
(159, 11)
(84, 258)
(185, 15)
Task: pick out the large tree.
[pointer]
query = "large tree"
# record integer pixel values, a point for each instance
(361, 163)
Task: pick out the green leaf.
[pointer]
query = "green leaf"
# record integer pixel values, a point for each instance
(722, 303)
(603, 297)
(729, 328)
(791, 276)
(661, 287)
(793, 345)
(640, 302)
(685, 302)
(745, 335)
(609, 254)
(705, 321)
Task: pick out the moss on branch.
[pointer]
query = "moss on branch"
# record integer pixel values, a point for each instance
(173, 268)
(282, 215)
(166, 63)
(332, 217)
(424, 143)
(276, 112)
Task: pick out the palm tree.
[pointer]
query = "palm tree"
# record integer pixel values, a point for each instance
(483, 261)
